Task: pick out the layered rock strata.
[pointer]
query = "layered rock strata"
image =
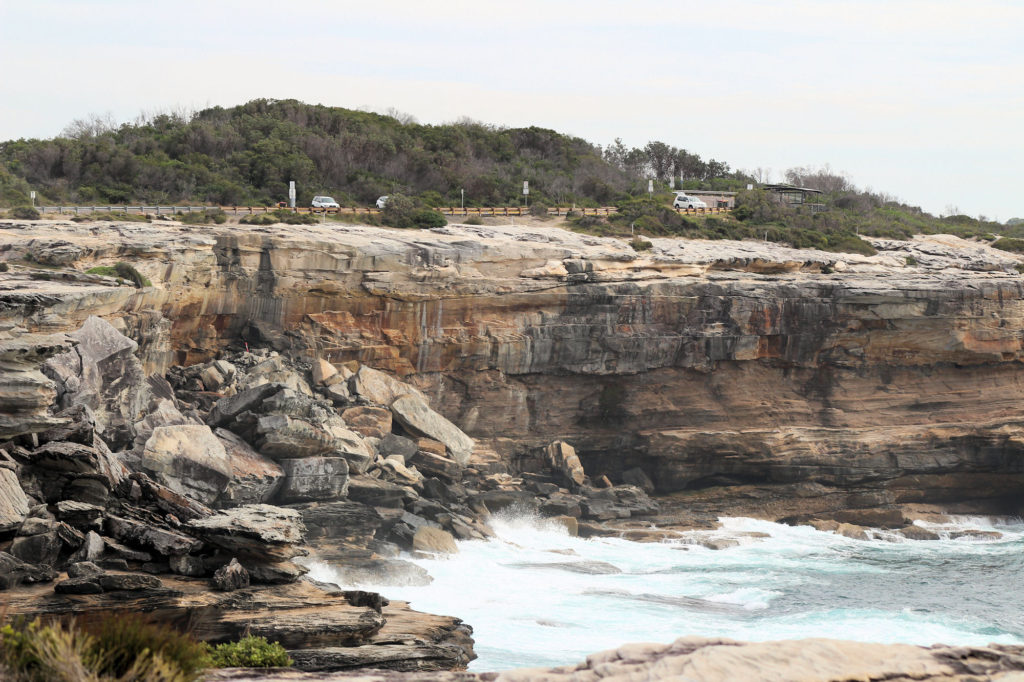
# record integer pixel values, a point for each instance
(700, 364)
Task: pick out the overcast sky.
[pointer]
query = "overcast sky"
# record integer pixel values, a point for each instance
(923, 100)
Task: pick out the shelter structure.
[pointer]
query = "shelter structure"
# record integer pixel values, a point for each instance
(796, 197)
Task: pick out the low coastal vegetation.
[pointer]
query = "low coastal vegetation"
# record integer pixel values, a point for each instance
(122, 271)
(121, 648)
(245, 155)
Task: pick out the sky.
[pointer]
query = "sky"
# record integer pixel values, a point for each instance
(922, 100)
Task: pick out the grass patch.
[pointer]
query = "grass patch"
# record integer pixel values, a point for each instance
(121, 647)
(122, 271)
(280, 216)
(209, 216)
(112, 217)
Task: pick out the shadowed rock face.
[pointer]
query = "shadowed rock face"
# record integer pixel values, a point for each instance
(702, 363)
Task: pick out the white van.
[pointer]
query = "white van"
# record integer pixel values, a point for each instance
(684, 201)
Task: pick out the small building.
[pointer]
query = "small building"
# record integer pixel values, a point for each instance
(712, 198)
(796, 197)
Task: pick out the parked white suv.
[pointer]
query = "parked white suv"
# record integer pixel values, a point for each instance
(382, 201)
(683, 201)
(325, 202)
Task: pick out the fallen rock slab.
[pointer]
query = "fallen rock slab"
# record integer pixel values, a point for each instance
(413, 413)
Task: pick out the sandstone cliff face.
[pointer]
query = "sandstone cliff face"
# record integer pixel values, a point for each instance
(704, 363)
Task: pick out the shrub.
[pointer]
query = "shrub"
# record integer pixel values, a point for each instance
(539, 210)
(24, 213)
(472, 220)
(281, 215)
(427, 218)
(4, 267)
(639, 244)
(1009, 244)
(122, 271)
(113, 216)
(911, 260)
(210, 215)
(398, 212)
(649, 224)
(115, 647)
(250, 652)
(120, 642)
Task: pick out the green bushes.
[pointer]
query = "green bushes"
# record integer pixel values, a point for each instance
(539, 209)
(210, 215)
(250, 652)
(405, 212)
(281, 215)
(24, 213)
(122, 271)
(639, 244)
(473, 220)
(1009, 244)
(112, 216)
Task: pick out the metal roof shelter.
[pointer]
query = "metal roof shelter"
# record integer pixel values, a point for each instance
(794, 196)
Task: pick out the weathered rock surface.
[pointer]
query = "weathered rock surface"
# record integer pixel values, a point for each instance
(254, 478)
(189, 460)
(414, 414)
(312, 479)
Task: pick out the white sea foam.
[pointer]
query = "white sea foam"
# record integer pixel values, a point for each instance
(536, 596)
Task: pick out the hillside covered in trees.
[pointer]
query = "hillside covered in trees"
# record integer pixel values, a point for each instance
(247, 154)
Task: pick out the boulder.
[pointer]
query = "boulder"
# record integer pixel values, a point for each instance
(374, 492)
(322, 371)
(392, 444)
(918, 533)
(343, 522)
(14, 505)
(638, 477)
(88, 584)
(231, 577)
(212, 379)
(134, 582)
(437, 465)
(83, 569)
(413, 413)
(14, 571)
(374, 422)
(254, 478)
(380, 388)
(282, 436)
(313, 479)
(275, 371)
(102, 373)
(42, 548)
(394, 468)
(160, 540)
(429, 539)
(227, 409)
(563, 459)
(189, 460)
(254, 530)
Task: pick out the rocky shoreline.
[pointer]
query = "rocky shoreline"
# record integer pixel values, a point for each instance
(280, 395)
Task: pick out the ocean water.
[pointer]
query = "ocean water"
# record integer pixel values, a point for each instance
(537, 597)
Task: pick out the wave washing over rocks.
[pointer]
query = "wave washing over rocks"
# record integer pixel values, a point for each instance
(359, 416)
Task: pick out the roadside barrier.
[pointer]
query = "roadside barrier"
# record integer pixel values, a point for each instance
(490, 211)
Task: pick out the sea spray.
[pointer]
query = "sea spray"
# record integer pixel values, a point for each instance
(536, 596)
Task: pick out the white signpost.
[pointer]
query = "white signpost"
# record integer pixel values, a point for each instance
(32, 195)
(291, 193)
(650, 187)
(526, 191)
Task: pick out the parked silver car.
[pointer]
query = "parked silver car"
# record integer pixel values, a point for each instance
(325, 202)
(382, 201)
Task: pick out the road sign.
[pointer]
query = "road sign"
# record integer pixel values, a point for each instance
(526, 186)
(291, 193)
(650, 186)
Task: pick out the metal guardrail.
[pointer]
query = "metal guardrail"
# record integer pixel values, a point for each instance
(490, 211)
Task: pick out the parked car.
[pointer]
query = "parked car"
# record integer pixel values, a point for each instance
(325, 202)
(684, 201)
(382, 201)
